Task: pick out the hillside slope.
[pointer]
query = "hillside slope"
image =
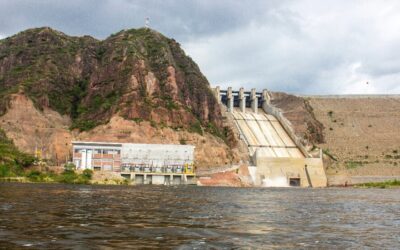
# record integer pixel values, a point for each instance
(360, 136)
(363, 134)
(53, 87)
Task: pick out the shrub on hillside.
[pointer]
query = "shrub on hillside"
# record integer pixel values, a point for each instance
(69, 167)
(87, 173)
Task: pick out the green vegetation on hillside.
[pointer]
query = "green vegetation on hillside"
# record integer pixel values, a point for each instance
(12, 161)
(127, 74)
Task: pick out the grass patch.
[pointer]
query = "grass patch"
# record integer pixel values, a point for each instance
(386, 184)
(353, 164)
(329, 154)
(182, 141)
(68, 177)
(12, 161)
(196, 128)
(137, 119)
(84, 125)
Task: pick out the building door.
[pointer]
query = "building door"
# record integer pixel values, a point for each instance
(89, 159)
(83, 159)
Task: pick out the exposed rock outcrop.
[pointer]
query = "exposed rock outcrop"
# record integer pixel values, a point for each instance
(135, 86)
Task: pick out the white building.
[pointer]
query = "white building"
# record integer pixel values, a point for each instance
(122, 156)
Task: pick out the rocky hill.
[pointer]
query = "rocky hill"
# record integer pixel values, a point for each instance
(55, 88)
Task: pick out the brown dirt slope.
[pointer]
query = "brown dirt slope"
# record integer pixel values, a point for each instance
(358, 135)
(362, 134)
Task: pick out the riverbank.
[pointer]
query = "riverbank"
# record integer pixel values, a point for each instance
(386, 184)
(226, 179)
(85, 177)
(23, 179)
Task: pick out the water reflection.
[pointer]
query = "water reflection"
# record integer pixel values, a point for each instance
(66, 216)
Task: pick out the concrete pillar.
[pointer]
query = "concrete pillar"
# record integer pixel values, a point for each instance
(242, 100)
(229, 96)
(266, 99)
(217, 94)
(184, 179)
(254, 100)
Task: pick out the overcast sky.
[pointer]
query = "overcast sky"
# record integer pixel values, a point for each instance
(302, 47)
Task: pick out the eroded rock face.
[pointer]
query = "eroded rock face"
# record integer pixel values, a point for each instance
(137, 81)
(210, 151)
(31, 129)
(151, 83)
(139, 74)
(49, 132)
(173, 87)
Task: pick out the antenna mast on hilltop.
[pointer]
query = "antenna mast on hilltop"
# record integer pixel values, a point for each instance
(147, 22)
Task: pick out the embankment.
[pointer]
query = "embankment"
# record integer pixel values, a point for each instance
(359, 135)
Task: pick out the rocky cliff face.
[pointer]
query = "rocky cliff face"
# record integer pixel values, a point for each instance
(54, 86)
(139, 74)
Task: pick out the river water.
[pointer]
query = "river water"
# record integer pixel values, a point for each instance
(56, 216)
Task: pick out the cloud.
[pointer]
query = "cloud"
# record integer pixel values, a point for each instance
(304, 46)
(309, 47)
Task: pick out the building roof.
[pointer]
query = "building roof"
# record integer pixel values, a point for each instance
(127, 144)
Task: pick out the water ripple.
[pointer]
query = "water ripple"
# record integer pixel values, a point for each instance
(187, 217)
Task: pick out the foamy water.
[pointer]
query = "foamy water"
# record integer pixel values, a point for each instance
(275, 182)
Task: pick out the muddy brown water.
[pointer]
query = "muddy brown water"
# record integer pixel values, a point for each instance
(56, 216)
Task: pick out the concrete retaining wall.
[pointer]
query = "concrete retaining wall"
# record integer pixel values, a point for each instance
(279, 171)
(286, 125)
(316, 172)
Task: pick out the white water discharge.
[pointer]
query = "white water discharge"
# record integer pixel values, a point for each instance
(275, 182)
(253, 173)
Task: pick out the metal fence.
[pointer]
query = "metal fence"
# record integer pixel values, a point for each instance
(179, 169)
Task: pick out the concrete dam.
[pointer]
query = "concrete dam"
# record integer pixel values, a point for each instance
(278, 157)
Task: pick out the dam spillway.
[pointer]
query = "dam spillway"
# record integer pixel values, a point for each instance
(279, 157)
(263, 132)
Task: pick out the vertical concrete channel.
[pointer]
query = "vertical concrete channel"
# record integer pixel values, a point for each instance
(308, 176)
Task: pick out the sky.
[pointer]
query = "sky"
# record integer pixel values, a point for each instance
(297, 46)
